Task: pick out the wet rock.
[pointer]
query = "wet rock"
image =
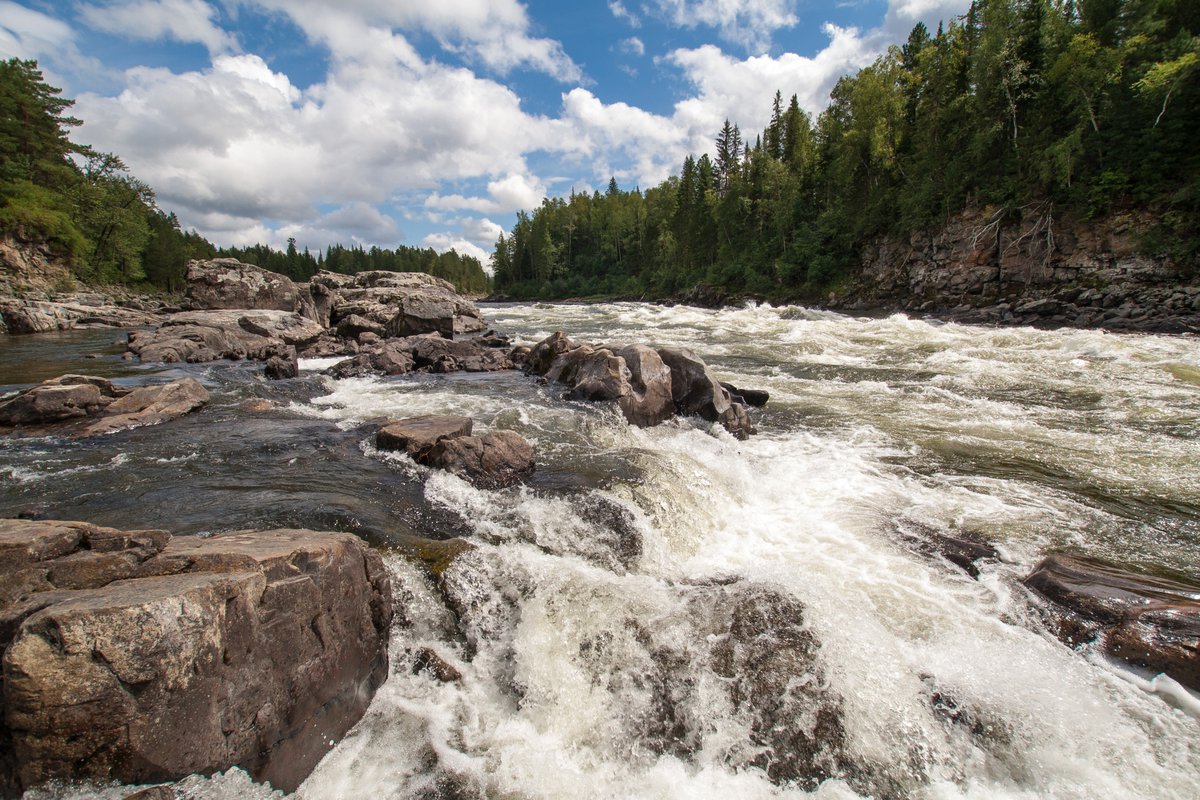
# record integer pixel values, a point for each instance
(1150, 622)
(79, 398)
(697, 391)
(280, 368)
(426, 659)
(428, 353)
(226, 283)
(417, 436)
(649, 386)
(56, 400)
(328, 346)
(252, 649)
(493, 338)
(756, 398)
(197, 337)
(161, 792)
(354, 326)
(961, 551)
(497, 459)
(435, 555)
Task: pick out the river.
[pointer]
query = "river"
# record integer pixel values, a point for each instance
(672, 613)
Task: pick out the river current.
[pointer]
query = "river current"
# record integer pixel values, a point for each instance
(670, 612)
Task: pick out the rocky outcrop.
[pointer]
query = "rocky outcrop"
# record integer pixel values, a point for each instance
(1030, 268)
(497, 459)
(137, 657)
(226, 283)
(427, 353)
(1150, 622)
(398, 304)
(647, 385)
(241, 311)
(83, 405)
(201, 336)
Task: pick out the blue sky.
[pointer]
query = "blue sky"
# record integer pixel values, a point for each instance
(427, 122)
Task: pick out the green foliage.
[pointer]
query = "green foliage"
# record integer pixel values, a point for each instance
(1091, 105)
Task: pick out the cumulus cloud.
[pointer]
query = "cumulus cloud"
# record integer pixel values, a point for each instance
(746, 23)
(496, 33)
(475, 237)
(179, 20)
(505, 195)
(29, 34)
(240, 140)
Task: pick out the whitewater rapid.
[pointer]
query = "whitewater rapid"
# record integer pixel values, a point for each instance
(594, 621)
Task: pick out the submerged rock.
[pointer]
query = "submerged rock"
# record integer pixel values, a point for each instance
(133, 656)
(59, 402)
(1152, 623)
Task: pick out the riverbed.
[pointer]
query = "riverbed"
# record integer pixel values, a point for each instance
(595, 606)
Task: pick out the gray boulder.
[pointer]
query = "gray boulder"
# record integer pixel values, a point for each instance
(198, 337)
(135, 657)
(226, 283)
(401, 303)
(648, 385)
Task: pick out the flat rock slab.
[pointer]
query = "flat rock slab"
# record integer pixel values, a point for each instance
(132, 656)
(83, 405)
(418, 435)
(500, 458)
(1150, 622)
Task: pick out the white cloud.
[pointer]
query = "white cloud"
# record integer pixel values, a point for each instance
(508, 194)
(747, 23)
(619, 11)
(240, 140)
(496, 32)
(179, 20)
(25, 33)
(634, 46)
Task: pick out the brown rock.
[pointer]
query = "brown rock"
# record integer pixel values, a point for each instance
(1150, 622)
(427, 660)
(494, 460)
(649, 400)
(696, 390)
(254, 649)
(52, 403)
(150, 405)
(418, 435)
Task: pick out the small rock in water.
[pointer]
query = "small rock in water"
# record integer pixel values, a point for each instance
(418, 435)
(427, 660)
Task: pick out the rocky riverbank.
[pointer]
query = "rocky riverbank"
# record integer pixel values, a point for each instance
(1030, 268)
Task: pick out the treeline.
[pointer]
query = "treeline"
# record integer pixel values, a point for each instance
(1032, 107)
(106, 224)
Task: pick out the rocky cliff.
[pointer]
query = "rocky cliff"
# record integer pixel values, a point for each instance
(985, 265)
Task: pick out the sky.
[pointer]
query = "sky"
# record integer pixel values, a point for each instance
(428, 123)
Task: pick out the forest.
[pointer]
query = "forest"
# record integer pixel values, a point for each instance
(106, 224)
(1035, 109)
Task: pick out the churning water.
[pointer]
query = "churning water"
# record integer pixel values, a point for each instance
(671, 613)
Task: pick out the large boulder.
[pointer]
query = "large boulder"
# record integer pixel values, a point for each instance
(696, 390)
(135, 657)
(89, 406)
(500, 458)
(496, 459)
(401, 303)
(198, 337)
(1150, 622)
(648, 385)
(226, 283)
(425, 353)
(417, 436)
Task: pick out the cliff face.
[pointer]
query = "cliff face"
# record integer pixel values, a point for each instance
(29, 266)
(1036, 269)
